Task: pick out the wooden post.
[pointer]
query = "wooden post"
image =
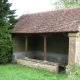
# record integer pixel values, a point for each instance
(26, 47)
(45, 48)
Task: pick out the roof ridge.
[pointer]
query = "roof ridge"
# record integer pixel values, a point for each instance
(51, 11)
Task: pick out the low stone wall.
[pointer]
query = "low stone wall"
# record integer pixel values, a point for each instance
(50, 66)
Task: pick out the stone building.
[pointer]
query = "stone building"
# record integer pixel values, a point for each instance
(49, 36)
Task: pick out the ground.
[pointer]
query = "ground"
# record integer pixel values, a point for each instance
(18, 72)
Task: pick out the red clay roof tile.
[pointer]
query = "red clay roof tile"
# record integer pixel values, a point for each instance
(67, 20)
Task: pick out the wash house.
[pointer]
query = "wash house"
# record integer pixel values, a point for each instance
(49, 36)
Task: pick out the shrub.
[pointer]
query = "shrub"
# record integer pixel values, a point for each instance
(5, 45)
(7, 21)
(75, 72)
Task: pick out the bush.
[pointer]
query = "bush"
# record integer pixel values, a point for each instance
(5, 45)
(7, 21)
(75, 72)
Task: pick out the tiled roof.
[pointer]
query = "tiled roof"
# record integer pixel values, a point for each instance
(67, 20)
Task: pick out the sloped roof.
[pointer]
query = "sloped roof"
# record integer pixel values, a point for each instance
(67, 20)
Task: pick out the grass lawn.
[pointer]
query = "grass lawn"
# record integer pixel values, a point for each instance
(18, 72)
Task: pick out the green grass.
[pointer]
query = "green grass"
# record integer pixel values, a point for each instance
(18, 72)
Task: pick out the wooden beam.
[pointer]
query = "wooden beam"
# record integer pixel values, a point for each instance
(26, 47)
(45, 48)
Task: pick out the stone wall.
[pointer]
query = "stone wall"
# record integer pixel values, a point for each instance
(18, 43)
(73, 47)
(78, 50)
(57, 43)
(50, 66)
(17, 55)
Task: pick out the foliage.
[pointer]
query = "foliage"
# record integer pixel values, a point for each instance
(7, 20)
(18, 72)
(75, 72)
(59, 4)
(5, 44)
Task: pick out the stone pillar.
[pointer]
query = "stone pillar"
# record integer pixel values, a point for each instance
(73, 42)
(26, 47)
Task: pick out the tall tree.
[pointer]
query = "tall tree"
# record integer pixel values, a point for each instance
(7, 20)
(59, 4)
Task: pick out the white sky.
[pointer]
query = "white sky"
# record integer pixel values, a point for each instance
(31, 6)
